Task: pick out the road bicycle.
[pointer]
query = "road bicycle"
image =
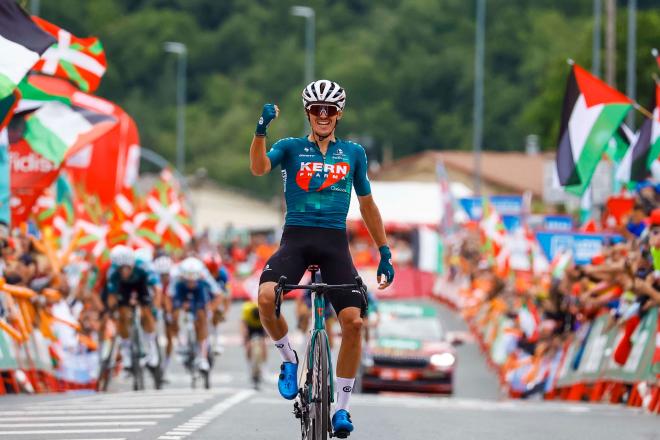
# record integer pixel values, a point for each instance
(189, 352)
(108, 354)
(316, 394)
(138, 350)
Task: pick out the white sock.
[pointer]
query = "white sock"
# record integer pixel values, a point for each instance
(344, 390)
(151, 340)
(284, 347)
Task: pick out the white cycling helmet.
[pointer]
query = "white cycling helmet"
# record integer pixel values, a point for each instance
(122, 255)
(191, 269)
(324, 91)
(163, 265)
(144, 255)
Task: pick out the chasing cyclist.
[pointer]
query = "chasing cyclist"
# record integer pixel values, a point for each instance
(254, 336)
(193, 293)
(319, 171)
(125, 277)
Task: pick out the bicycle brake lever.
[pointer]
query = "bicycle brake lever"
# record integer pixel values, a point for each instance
(279, 290)
(363, 294)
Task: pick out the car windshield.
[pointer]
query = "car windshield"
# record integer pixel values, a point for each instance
(423, 328)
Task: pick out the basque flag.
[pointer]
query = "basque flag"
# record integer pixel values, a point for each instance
(592, 113)
(636, 164)
(79, 60)
(21, 45)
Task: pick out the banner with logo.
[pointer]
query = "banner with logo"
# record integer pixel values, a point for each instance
(30, 173)
(7, 352)
(638, 366)
(584, 245)
(562, 223)
(504, 205)
(510, 208)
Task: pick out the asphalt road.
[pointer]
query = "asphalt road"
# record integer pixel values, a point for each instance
(231, 409)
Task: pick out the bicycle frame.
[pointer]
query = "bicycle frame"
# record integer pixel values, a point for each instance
(318, 300)
(319, 327)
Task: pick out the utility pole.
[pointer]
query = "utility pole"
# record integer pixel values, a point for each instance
(631, 64)
(181, 51)
(610, 43)
(597, 38)
(478, 115)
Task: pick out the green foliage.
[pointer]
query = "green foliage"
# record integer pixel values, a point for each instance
(407, 65)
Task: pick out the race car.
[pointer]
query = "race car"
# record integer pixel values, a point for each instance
(408, 351)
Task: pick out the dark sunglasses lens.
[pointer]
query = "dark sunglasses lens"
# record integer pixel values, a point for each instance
(317, 110)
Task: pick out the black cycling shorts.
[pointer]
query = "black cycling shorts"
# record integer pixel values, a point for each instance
(255, 331)
(302, 246)
(124, 291)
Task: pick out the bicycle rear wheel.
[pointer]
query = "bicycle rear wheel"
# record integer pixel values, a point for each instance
(320, 404)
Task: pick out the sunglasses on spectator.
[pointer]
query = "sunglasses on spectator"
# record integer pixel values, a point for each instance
(323, 109)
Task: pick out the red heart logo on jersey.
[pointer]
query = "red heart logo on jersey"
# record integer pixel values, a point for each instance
(337, 173)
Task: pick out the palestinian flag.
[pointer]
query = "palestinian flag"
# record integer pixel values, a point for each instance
(7, 106)
(618, 146)
(56, 130)
(636, 165)
(79, 60)
(21, 45)
(591, 114)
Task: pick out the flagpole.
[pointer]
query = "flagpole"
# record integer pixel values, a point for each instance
(642, 110)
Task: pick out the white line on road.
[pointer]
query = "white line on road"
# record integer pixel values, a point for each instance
(80, 418)
(205, 417)
(89, 411)
(68, 431)
(62, 425)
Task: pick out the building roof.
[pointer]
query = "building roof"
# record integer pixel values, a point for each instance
(512, 172)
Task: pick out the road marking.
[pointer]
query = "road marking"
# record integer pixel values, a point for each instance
(68, 431)
(80, 418)
(62, 425)
(205, 417)
(89, 411)
(455, 404)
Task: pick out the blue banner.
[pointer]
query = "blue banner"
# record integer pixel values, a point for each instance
(504, 205)
(562, 223)
(584, 246)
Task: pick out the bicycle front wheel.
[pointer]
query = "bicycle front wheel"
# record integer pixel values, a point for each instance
(320, 402)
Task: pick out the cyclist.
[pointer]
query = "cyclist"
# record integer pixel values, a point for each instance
(251, 327)
(163, 267)
(125, 277)
(319, 171)
(220, 307)
(192, 292)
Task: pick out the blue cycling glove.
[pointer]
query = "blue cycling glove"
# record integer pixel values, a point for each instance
(267, 115)
(385, 266)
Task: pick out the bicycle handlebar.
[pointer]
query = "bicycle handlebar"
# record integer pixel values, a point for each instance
(320, 288)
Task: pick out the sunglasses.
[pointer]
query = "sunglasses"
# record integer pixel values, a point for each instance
(323, 109)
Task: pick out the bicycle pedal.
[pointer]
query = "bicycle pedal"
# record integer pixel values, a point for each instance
(342, 433)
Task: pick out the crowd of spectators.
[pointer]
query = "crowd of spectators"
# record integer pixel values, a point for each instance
(548, 309)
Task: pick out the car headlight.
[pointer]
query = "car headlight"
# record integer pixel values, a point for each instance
(443, 360)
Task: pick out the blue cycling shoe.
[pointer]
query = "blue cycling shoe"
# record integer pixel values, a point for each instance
(341, 423)
(288, 381)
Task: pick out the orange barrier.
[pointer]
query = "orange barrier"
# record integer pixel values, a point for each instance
(26, 338)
